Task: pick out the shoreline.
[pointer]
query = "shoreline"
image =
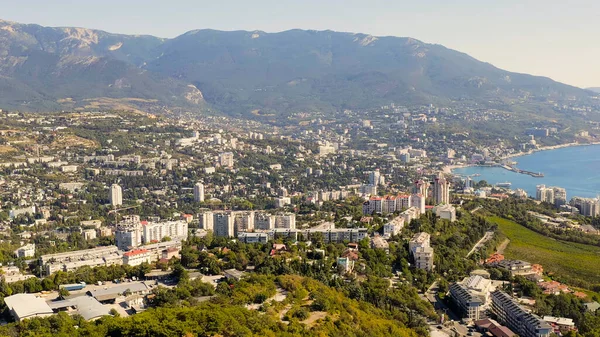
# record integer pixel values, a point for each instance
(548, 148)
(448, 169)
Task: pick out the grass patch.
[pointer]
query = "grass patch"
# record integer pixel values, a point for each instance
(573, 263)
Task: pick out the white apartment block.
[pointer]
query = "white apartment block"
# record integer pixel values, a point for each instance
(156, 231)
(445, 211)
(199, 192)
(418, 200)
(424, 258)
(205, 220)
(393, 227)
(100, 256)
(280, 202)
(26, 251)
(129, 233)
(116, 195)
(419, 240)
(224, 224)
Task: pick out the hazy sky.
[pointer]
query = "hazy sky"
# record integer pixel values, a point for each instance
(555, 38)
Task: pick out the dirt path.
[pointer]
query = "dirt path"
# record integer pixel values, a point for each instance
(502, 246)
(314, 317)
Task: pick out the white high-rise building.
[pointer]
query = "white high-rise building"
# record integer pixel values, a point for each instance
(421, 187)
(226, 159)
(287, 220)
(129, 233)
(560, 196)
(199, 192)
(205, 220)
(116, 195)
(418, 201)
(375, 178)
(545, 194)
(224, 224)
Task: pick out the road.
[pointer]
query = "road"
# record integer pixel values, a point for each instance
(487, 237)
(476, 209)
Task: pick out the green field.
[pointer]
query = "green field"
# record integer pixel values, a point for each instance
(573, 263)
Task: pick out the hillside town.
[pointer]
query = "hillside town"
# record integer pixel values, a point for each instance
(89, 193)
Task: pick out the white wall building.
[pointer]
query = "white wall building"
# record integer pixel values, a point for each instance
(116, 195)
(199, 192)
(26, 251)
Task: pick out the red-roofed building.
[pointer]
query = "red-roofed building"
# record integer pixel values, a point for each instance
(494, 258)
(554, 287)
(187, 217)
(537, 268)
(137, 257)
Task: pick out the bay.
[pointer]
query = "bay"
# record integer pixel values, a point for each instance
(577, 169)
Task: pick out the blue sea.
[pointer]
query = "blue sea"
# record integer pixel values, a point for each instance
(577, 169)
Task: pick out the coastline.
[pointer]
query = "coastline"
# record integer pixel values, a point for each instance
(448, 169)
(547, 148)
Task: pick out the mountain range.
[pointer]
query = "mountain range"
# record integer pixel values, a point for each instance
(246, 73)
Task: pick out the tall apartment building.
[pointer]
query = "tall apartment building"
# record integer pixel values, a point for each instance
(418, 201)
(587, 206)
(419, 240)
(388, 204)
(374, 204)
(519, 320)
(129, 233)
(441, 190)
(368, 189)
(560, 196)
(410, 214)
(244, 221)
(116, 195)
(545, 194)
(285, 220)
(205, 220)
(403, 202)
(264, 221)
(375, 178)
(224, 224)
(199, 192)
(226, 159)
(421, 187)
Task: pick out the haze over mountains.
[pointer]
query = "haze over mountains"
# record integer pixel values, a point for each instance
(246, 73)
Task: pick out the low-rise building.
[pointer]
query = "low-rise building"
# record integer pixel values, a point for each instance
(446, 211)
(23, 306)
(136, 257)
(26, 251)
(393, 227)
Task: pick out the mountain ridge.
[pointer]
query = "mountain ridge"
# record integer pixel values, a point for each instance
(239, 72)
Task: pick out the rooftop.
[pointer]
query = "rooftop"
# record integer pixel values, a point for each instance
(27, 305)
(87, 306)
